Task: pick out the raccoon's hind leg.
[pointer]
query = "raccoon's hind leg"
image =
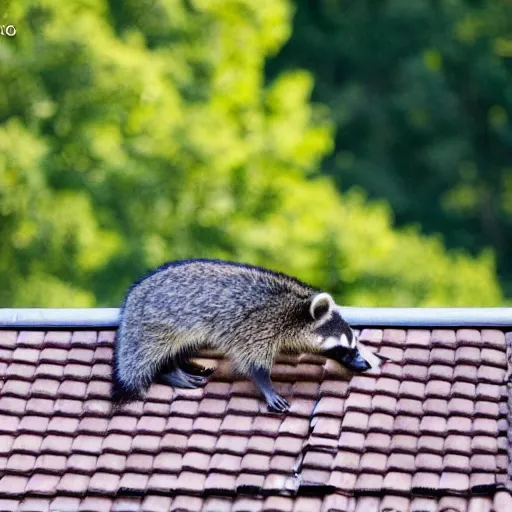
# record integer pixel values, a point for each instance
(179, 378)
(261, 378)
(183, 373)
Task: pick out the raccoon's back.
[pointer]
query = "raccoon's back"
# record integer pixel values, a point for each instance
(209, 289)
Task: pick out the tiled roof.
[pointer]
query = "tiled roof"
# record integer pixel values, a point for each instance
(426, 433)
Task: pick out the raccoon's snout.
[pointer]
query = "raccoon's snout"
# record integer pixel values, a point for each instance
(348, 357)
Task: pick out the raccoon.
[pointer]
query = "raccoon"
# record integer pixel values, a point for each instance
(248, 313)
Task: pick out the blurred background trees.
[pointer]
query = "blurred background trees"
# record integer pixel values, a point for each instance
(132, 134)
(421, 94)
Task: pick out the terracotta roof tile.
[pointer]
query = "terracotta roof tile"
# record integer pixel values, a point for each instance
(458, 444)
(133, 482)
(62, 425)
(429, 462)
(263, 444)
(362, 383)
(461, 389)
(376, 441)
(406, 424)
(331, 406)
(425, 481)
(21, 371)
(436, 406)
(42, 484)
(294, 426)
(71, 389)
(430, 443)
(404, 443)
(83, 463)
(9, 423)
(154, 503)
(19, 463)
(459, 425)
(57, 444)
(380, 422)
(418, 338)
(102, 483)
(15, 388)
(397, 481)
(387, 386)
(493, 338)
(394, 337)
(40, 504)
(401, 462)
(8, 339)
(415, 371)
(328, 427)
(351, 441)
(220, 483)
(454, 481)
(488, 391)
(368, 483)
(53, 371)
(373, 462)
(92, 425)
(139, 462)
(468, 336)
(465, 372)
(418, 356)
(96, 503)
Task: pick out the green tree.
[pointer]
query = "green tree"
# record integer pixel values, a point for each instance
(134, 134)
(421, 94)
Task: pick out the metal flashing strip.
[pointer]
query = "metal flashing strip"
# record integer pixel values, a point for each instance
(429, 317)
(33, 318)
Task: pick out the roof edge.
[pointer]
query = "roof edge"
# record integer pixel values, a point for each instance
(32, 318)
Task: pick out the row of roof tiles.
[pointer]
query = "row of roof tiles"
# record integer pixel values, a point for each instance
(501, 502)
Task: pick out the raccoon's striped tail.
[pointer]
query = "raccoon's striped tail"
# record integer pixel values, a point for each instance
(128, 381)
(120, 392)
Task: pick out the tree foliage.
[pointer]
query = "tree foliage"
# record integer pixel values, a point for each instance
(421, 95)
(133, 134)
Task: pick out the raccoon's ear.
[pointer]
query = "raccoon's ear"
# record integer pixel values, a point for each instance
(321, 304)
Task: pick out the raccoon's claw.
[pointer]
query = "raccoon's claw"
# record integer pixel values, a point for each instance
(197, 380)
(180, 379)
(195, 369)
(277, 403)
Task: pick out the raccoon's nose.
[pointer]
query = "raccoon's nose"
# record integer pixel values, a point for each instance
(353, 361)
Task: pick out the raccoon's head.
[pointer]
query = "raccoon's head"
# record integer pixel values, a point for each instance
(336, 338)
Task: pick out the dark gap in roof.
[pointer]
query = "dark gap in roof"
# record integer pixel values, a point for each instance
(376, 492)
(314, 489)
(249, 490)
(484, 490)
(221, 493)
(427, 491)
(128, 491)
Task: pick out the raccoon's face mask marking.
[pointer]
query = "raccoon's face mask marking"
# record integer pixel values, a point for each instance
(337, 340)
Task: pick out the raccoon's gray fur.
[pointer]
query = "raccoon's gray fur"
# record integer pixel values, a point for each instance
(248, 313)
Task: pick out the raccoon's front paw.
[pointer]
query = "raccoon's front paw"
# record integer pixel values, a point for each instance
(277, 403)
